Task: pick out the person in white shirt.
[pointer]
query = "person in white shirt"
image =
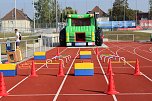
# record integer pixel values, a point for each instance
(18, 38)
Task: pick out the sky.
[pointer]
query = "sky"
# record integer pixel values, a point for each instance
(82, 6)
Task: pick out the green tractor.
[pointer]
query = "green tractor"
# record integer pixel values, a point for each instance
(81, 30)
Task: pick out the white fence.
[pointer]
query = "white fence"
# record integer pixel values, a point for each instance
(28, 47)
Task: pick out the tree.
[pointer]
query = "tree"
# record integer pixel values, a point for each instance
(67, 10)
(46, 11)
(119, 10)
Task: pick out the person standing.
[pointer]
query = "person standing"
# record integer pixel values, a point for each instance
(18, 38)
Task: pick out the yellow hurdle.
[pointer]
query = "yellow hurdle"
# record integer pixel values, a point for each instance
(39, 53)
(85, 52)
(45, 63)
(115, 62)
(107, 54)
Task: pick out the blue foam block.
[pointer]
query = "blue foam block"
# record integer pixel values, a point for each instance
(9, 72)
(39, 57)
(85, 56)
(87, 72)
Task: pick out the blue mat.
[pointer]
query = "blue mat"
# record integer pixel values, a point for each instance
(9, 72)
(85, 56)
(87, 72)
(39, 57)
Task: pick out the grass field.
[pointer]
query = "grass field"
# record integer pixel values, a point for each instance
(138, 35)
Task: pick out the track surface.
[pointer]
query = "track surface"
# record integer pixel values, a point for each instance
(48, 87)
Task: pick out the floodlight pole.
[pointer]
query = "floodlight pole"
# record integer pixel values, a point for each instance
(56, 8)
(124, 12)
(136, 12)
(111, 16)
(15, 14)
(34, 16)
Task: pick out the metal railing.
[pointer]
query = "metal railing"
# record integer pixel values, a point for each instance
(28, 47)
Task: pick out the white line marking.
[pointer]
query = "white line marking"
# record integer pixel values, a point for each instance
(135, 94)
(141, 56)
(21, 81)
(19, 95)
(130, 64)
(57, 94)
(114, 96)
(25, 78)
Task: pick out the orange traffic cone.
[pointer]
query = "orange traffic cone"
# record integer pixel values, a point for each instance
(137, 70)
(109, 68)
(58, 54)
(97, 53)
(111, 85)
(3, 91)
(61, 72)
(33, 71)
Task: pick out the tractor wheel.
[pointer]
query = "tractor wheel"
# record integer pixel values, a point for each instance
(98, 38)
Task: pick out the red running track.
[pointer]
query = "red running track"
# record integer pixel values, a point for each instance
(48, 87)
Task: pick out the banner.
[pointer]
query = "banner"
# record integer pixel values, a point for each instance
(146, 24)
(116, 24)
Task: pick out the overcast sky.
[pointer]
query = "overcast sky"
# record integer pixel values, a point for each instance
(82, 6)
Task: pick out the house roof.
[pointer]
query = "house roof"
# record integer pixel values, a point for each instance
(20, 15)
(97, 9)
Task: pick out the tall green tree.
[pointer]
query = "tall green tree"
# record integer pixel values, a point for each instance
(119, 10)
(67, 10)
(46, 11)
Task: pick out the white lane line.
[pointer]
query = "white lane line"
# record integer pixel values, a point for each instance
(21, 82)
(31, 95)
(135, 94)
(141, 56)
(83, 94)
(132, 65)
(26, 78)
(150, 49)
(55, 94)
(21, 95)
(114, 96)
(59, 90)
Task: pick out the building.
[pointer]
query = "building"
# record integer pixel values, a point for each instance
(101, 15)
(22, 22)
(143, 16)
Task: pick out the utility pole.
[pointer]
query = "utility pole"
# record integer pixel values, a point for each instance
(124, 12)
(56, 8)
(136, 12)
(15, 14)
(111, 16)
(34, 16)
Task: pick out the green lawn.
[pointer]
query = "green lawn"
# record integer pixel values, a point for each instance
(138, 35)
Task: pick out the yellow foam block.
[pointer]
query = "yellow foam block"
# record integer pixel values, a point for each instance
(84, 66)
(7, 66)
(39, 53)
(85, 52)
